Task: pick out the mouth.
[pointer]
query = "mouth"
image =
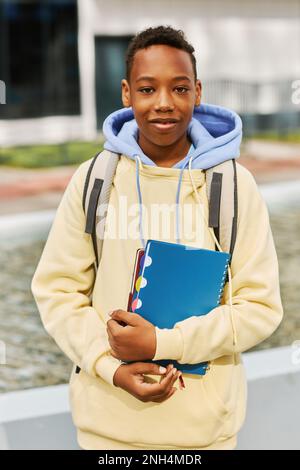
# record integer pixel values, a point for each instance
(164, 125)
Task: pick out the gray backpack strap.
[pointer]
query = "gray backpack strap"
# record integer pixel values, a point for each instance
(96, 195)
(221, 187)
(96, 192)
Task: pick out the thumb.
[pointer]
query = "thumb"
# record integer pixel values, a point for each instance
(121, 315)
(148, 368)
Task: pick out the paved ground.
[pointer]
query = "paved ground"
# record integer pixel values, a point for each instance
(269, 161)
(33, 359)
(23, 190)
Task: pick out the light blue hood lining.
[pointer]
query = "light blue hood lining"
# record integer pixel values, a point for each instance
(215, 132)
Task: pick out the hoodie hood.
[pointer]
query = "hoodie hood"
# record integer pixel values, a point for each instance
(215, 132)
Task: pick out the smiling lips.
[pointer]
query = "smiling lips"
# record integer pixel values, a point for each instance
(164, 125)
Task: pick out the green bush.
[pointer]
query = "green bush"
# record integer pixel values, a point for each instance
(289, 137)
(43, 156)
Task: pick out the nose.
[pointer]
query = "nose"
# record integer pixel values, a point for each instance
(164, 102)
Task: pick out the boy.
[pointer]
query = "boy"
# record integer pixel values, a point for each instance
(161, 130)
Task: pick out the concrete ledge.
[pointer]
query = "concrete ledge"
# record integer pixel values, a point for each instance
(40, 418)
(26, 227)
(272, 362)
(33, 403)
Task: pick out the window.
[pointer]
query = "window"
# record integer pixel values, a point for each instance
(39, 58)
(110, 68)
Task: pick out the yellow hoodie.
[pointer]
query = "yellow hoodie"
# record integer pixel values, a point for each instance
(209, 412)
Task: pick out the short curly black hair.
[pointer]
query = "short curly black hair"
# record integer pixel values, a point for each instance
(158, 35)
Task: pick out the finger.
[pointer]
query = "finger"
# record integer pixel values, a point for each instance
(169, 392)
(151, 368)
(157, 389)
(121, 315)
(114, 327)
(170, 381)
(159, 400)
(167, 371)
(160, 390)
(169, 367)
(167, 379)
(170, 385)
(110, 338)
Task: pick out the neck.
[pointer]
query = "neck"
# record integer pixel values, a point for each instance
(166, 156)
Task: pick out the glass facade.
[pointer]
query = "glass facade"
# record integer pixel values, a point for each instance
(39, 58)
(110, 68)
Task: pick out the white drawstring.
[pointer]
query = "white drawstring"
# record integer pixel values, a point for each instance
(218, 245)
(139, 165)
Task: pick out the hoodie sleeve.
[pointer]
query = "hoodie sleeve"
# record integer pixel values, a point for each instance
(63, 282)
(256, 301)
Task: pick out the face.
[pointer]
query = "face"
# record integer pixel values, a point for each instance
(162, 92)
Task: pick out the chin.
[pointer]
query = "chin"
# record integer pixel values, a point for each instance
(165, 144)
(163, 140)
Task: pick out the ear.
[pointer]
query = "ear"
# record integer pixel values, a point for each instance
(198, 93)
(126, 94)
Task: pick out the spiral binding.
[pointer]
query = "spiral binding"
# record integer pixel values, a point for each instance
(223, 283)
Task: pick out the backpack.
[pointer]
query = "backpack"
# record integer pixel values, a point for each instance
(221, 190)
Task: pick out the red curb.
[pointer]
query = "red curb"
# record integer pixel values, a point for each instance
(269, 166)
(34, 186)
(39, 184)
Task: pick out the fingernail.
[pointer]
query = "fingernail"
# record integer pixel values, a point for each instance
(162, 370)
(174, 371)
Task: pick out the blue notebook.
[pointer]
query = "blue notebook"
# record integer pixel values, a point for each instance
(178, 281)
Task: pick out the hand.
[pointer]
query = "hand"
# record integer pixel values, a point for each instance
(135, 341)
(131, 379)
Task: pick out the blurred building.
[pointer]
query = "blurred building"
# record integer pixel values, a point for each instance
(63, 60)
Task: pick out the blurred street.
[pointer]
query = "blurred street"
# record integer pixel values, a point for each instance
(26, 190)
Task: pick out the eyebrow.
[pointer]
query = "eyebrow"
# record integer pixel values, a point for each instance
(180, 77)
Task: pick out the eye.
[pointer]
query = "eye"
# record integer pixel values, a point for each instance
(147, 90)
(142, 90)
(182, 88)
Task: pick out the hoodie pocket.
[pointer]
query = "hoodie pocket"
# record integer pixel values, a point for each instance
(193, 418)
(223, 382)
